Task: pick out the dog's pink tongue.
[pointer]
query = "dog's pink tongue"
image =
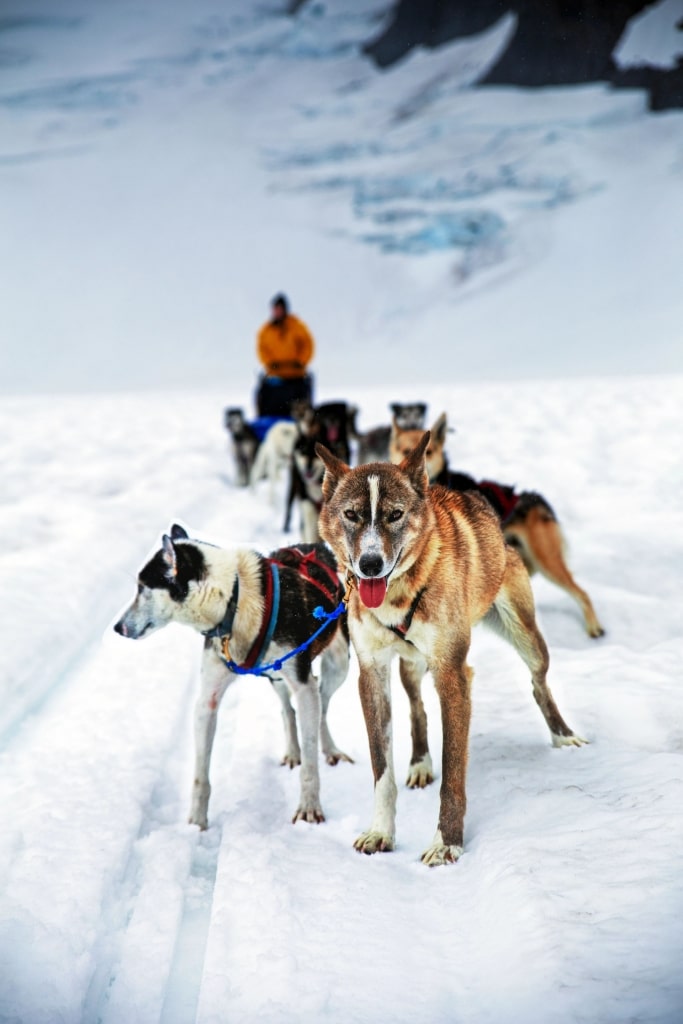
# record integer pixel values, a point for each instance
(372, 591)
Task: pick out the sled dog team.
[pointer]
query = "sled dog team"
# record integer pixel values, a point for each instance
(405, 558)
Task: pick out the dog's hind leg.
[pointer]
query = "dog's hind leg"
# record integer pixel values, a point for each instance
(259, 466)
(513, 616)
(334, 666)
(214, 682)
(452, 679)
(289, 502)
(292, 755)
(541, 546)
(295, 490)
(421, 772)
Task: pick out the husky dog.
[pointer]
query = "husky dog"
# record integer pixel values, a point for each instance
(373, 444)
(307, 477)
(528, 521)
(251, 610)
(244, 443)
(409, 415)
(274, 454)
(427, 564)
(326, 423)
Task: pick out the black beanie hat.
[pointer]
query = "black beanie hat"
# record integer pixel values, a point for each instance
(280, 300)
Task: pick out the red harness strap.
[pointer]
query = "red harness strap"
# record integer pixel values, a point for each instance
(303, 561)
(501, 497)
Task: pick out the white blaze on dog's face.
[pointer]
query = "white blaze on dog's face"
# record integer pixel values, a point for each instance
(371, 515)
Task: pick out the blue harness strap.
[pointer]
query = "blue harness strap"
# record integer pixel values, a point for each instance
(253, 662)
(274, 610)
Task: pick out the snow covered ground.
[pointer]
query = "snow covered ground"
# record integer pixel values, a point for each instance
(567, 905)
(512, 258)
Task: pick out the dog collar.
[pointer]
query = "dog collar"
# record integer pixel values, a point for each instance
(224, 627)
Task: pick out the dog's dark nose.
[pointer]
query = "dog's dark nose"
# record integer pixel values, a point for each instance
(371, 565)
(120, 628)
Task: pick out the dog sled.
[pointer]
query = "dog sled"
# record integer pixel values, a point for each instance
(275, 396)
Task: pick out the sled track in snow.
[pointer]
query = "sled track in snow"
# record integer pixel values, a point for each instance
(187, 967)
(165, 856)
(167, 888)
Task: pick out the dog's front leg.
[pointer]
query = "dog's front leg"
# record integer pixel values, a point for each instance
(214, 681)
(453, 687)
(421, 772)
(334, 666)
(308, 707)
(375, 694)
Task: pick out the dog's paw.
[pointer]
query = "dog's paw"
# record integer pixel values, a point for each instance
(596, 631)
(335, 756)
(291, 760)
(374, 842)
(199, 805)
(420, 774)
(439, 853)
(313, 815)
(201, 821)
(568, 741)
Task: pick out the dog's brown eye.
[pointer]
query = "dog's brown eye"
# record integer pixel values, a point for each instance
(351, 515)
(395, 515)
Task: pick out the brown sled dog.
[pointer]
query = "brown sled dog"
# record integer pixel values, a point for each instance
(427, 564)
(528, 521)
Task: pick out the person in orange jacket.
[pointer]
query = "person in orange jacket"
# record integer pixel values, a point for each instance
(285, 345)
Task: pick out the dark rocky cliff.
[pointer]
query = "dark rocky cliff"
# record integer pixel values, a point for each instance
(557, 42)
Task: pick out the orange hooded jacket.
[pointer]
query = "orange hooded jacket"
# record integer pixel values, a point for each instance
(285, 348)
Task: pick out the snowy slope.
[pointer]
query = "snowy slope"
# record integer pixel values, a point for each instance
(166, 169)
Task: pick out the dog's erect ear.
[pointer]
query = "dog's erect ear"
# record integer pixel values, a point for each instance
(439, 429)
(179, 532)
(416, 467)
(335, 469)
(169, 554)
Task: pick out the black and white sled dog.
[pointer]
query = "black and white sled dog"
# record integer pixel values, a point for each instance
(324, 424)
(306, 489)
(252, 611)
